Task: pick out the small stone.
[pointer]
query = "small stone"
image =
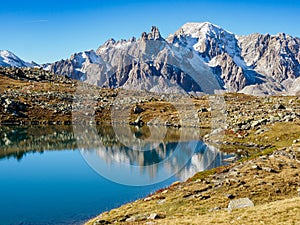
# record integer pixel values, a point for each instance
(204, 197)
(131, 219)
(175, 183)
(138, 122)
(150, 223)
(268, 169)
(187, 195)
(230, 196)
(161, 201)
(202, 110)
(155, 216)
(214, 209)
(137, 110)
(101, 222)
(277, 191)
(279, 106)
(147, 199)
(255, 124)
(296, 141)
(165, 192)
(240, 203)
(256, 167)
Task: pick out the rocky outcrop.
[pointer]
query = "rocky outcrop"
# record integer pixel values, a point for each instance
(275, 56)
(153, 35)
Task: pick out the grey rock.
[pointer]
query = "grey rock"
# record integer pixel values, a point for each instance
(240, 203)
(230, 196)
(279, 106)
(154, 216)
(101, 222)
(138, 122)
(137, 109)
(202, 110)
(268, 169)
(255, 124)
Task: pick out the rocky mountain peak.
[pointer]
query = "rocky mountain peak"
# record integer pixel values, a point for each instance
(201, 30)
(153, 35)
(110, 41)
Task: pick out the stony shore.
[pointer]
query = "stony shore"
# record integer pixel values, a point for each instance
(37, 97)
(262, 132)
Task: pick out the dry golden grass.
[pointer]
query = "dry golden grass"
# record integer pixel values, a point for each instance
(275, 213)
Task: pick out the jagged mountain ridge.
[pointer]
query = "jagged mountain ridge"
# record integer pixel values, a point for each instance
(255, 60)
(149, 63)
(254, 64)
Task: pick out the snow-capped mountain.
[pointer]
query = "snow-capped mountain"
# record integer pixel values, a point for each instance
(148, 63)
(7, 58)
(198, 57)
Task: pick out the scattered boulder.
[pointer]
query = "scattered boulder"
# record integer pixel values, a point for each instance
(138, 217)
(268, 169)
(137, 110)
(155, 216)
(138, 122)
(240, 203)
(279, 106)
(203, 110)
(101, 222)
(230, 196)
(255, 124)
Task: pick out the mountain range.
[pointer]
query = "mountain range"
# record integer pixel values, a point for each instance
(198, 57)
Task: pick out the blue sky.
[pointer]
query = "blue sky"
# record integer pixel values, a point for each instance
(46, 31)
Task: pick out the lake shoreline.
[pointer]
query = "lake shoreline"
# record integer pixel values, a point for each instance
(268, 178)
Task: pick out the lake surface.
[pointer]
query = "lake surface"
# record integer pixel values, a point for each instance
(49, 176)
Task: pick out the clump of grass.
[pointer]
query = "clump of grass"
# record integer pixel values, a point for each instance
(204, 174)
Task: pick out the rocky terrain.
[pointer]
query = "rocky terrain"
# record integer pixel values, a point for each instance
(34, 96)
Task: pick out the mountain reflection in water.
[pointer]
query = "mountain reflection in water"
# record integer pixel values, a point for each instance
(159, 152)
(148, 155)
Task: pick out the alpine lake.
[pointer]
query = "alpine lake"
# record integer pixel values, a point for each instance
(67, 174)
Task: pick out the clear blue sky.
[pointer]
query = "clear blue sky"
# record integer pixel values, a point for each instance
(50, 30)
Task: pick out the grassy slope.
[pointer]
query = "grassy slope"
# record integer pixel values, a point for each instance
(190, 202)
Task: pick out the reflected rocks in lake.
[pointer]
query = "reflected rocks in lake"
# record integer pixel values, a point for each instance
(15, 141)
(124, 154)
